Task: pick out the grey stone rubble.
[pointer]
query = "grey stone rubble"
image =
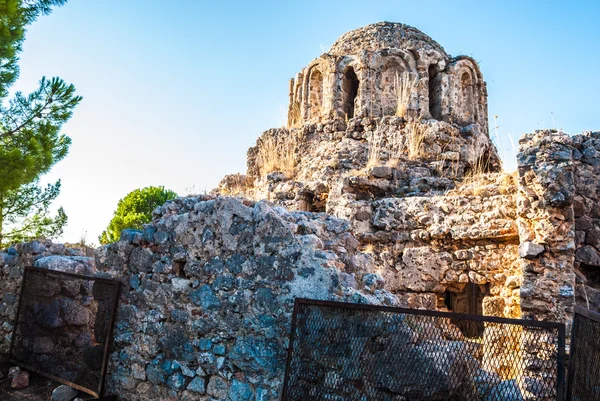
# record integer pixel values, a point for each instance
(64, 393)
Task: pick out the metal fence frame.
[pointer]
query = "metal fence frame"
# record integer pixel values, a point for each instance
(579, 315)
(560, 327)
(98, 393)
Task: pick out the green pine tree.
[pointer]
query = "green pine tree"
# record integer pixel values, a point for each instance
(30, 138)
(135, 210)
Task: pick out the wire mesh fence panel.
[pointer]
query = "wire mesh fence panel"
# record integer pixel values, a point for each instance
(64, 325)
(584, 365)
(344, 352)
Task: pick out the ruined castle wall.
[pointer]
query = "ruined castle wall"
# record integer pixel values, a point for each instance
(586, 208)
(209, 285)
(559, 222)
(546, 225)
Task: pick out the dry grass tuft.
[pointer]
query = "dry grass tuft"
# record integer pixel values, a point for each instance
(235, 184)
(476, 177)
(369, 248)
(416, 136)
(397, 145)
(404, 84)
(277, 153)
(294, 117)
(377, 146)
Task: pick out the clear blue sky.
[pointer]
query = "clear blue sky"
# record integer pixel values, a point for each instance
(175, 91)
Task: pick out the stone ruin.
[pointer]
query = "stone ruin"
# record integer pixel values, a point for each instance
(383, 188)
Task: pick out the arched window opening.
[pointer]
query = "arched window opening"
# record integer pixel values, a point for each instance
(350, 90)
(468, 98)
(435, 95)
(315, 93)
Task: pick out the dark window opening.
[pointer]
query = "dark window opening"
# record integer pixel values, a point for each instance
(350, 90)
(592, 274)
(313, 202)
(469, 301)
(434, 93)
(178, 267)
(468, 99)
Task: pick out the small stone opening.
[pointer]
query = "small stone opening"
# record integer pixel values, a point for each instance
(469, 301)
(315, 202)
(481, 165)
(350, 85)
(592, 275)
(178, 267)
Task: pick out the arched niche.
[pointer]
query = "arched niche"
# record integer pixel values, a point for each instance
(468, 101)
(350, 85)
(315, 93)
(469, 97)
(389, 84)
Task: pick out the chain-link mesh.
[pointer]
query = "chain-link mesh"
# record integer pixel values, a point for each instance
(63, 325)
(584, 365)
(347, 352)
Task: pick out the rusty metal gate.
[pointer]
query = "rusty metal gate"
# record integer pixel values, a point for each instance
(64, 327)
(355, 352)
(584, 365)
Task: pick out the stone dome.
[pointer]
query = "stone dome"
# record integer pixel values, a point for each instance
(365, 71)
(384, 35)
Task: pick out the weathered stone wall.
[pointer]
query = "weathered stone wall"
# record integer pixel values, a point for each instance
(209, 293)
(546, 226)
(559, 222)
(39, 254)
(586, 208)
(429, 246)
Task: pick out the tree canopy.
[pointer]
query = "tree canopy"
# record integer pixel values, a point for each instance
(135, 210)
(31, 141)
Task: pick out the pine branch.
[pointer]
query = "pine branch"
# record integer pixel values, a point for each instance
(34, 114)
(56, 102)
(21, 202)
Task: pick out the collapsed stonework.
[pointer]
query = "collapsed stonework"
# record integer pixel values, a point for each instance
(384, 188)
